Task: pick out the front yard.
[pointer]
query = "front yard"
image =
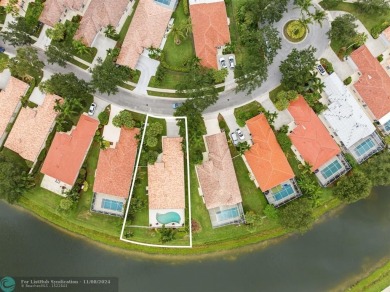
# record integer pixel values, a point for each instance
(3, 61)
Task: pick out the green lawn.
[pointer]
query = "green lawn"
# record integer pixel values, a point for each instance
(274, 92)
(3, 15)
(3, 61)
(163, 94)
(127, 86)
(88, 56)
(79, 64)
(368, 20)
(247, 112)
(171, 79)
(177, 55)
(376, 281)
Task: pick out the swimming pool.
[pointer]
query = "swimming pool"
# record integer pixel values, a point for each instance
(112, 205)
(331, 169)
(166, 218)
(364, 147)
(228, 214)
(283, 191)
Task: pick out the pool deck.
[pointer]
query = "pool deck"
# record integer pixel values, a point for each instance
(96, 205)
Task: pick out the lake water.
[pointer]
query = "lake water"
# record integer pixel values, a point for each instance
(338, 248)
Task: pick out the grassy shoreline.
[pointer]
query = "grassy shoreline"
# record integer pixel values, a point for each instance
(214, 247)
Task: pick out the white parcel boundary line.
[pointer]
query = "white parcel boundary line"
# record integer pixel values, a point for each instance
(188, 183)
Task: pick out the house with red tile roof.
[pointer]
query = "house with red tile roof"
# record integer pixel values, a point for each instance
(210, 29)
(147, 29)
(313, 144)
(55, 11)
(268, 164)
(31, 128)
(373, 86)
(67, 154)
(114, 173)
(10, 101)
(166, 187)
(100, 14)
(218, 183)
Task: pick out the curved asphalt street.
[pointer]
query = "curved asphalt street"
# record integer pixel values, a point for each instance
(228, 99)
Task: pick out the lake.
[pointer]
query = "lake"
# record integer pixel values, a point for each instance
(342, 246)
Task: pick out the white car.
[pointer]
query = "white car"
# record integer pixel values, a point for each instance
(240, 134)
(231, 62)
(92, 109)
(223, 62)
(234, 138)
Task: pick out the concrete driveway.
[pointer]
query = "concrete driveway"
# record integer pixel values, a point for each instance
(342, 68)
(211, 122)
(230, 120)
(172, 128)
(148, 68)
(102, 43)
(101, 105)
(284, 117)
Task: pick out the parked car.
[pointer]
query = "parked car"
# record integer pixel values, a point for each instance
(321, 69)
(240, 134)
(231, 62)
(2, 50)
(176, 105)
(223, 62)
(234, 138)
(92, 109)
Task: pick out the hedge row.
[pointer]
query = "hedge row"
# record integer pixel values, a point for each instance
(185, 7)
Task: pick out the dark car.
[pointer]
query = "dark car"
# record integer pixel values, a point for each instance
(2, 50)
(176, 105)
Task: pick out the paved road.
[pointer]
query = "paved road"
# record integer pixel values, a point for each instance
(228, 99)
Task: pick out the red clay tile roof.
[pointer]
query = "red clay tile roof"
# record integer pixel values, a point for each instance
(166, 178)
(9, 99)
(99, 14)
(310, 137)
(147, 29)
(265, 158)
(54, 9)
(386, 33)
(31, 129)
(210, 30)
(217, 176)
(115, 166)
(374, 83)
(68, 150)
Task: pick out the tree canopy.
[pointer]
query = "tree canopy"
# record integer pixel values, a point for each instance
(14, 180)
(373, 6)
(297, 215)
(58, 52)
(353, 187)
(26, 63)
(297, 67)
(124, 119)
(17, 33)
(343, 29)
(377, 169)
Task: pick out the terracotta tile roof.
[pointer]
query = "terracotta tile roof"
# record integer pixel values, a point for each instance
(147, 29)
(31, 129)
(310, 136)
(217, 176)
(210, 30)
(265, 158)
(54, 9)
(99, 14)
(9, 99)
(386, 33)
(166, 178)
(115, 166)
(374, 83)
(68, 150)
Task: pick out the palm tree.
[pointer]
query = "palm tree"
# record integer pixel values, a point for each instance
(80, 48)
(178, 34)
(306, 21)
(358, 40)
(304, 5)
(319, 16)
(186, 27)
(110, 31)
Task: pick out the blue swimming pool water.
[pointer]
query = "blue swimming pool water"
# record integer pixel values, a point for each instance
(331, 169)
(228, 214)
(166, 218)
(166, 2)
(285, 191)
(112, 205)
(364, 147)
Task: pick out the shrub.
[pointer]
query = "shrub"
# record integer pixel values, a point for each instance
(327, 65)
(297, 215)
(348, 80)
(167, 234)
(123, 119)
(185, 7)
(295, 30)
(66, 204)
(104, 117)
(353, 187)
(284, 141)
(377, 29)
(380, 58)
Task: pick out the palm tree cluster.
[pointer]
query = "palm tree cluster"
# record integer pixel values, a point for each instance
(181, 31)
(307, 16)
